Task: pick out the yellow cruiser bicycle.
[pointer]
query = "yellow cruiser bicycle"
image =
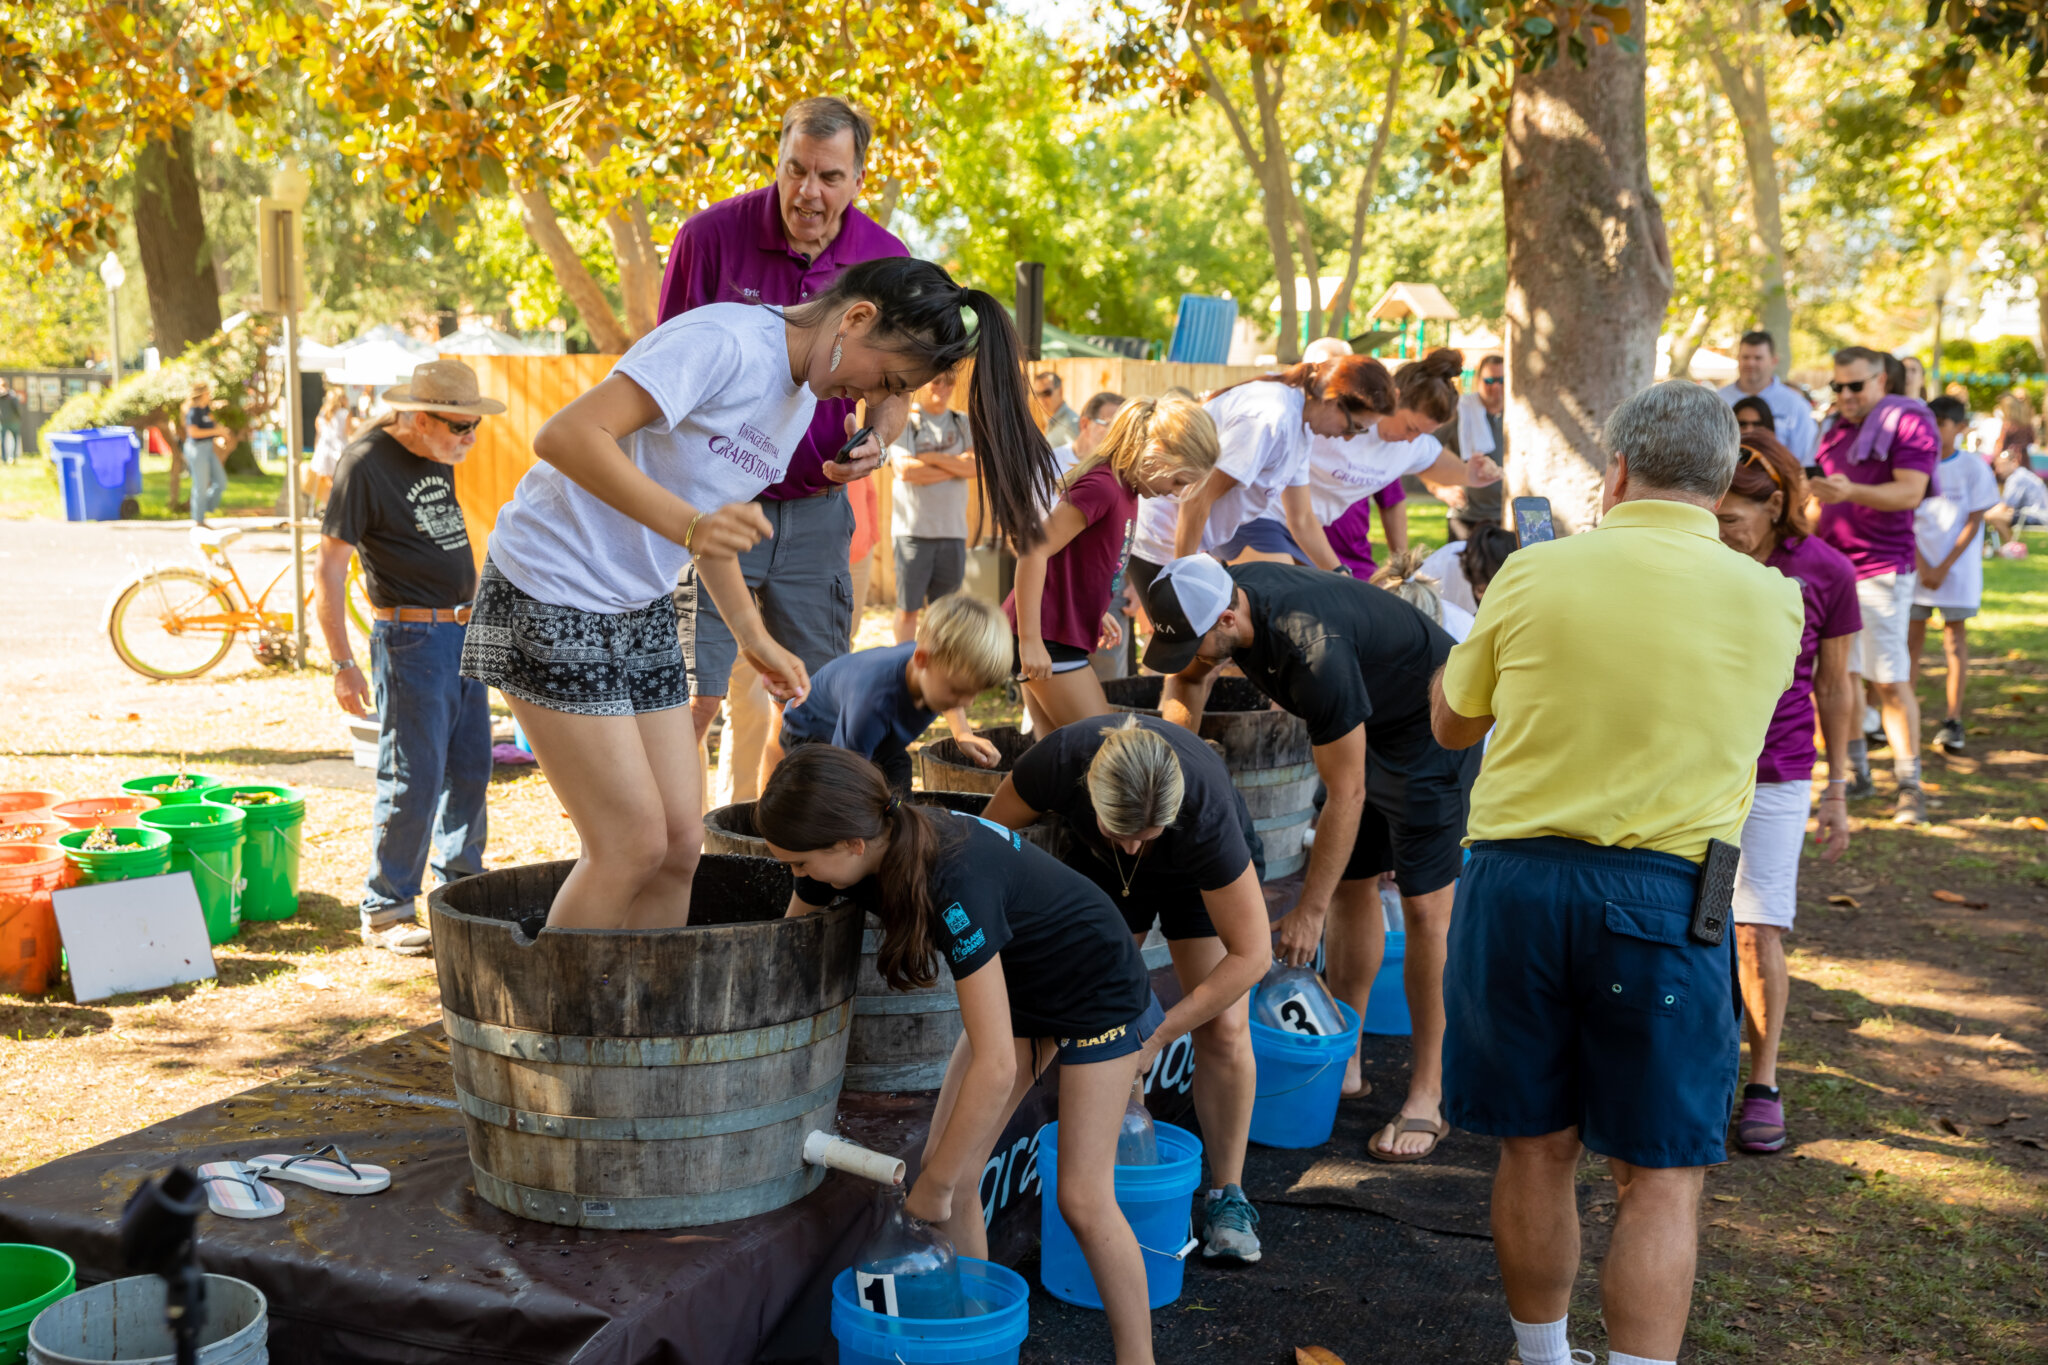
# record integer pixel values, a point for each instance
(176, 621)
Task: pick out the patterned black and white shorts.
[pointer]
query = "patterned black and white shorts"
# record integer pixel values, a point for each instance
(585, 663)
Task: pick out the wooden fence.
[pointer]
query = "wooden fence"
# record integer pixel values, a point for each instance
(534, 388)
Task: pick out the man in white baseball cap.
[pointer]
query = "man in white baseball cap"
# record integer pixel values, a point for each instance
(1354, 662)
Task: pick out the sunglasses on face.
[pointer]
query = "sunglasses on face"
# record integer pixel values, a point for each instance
(456, 428)
(1852, 386)
(1495, 381)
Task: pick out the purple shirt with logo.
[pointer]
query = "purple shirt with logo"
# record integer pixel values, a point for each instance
(1827, 584)
(734, 252)
(1876, 542)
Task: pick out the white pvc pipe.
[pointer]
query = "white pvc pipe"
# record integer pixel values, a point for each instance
(836, 1153)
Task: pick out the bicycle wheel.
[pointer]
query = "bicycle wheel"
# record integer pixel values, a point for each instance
(173, 623)
(355, 595)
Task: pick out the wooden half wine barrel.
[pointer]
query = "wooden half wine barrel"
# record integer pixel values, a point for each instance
(1270, 759)
(644, 1078)
(941, 767)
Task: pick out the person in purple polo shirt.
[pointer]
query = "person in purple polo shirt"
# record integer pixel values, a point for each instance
(1763, 516)
(781, 245)
(1876, 461)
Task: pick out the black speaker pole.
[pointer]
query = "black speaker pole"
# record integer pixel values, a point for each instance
(1031, 308)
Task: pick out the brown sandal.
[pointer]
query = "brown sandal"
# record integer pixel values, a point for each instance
(1436, 1132)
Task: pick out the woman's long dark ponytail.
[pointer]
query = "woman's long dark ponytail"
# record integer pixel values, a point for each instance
(919, 314)
(820, 796)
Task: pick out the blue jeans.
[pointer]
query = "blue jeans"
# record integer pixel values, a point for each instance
(209, 480)
(433, 765)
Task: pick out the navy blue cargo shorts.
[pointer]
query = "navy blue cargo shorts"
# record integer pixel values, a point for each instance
(1574, 995)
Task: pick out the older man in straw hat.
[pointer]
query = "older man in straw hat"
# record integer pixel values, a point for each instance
(393, 504)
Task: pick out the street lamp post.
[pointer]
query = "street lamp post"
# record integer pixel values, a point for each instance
(113, 276)
(283, 288)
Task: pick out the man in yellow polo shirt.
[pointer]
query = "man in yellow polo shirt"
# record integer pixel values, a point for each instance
(1628, 676)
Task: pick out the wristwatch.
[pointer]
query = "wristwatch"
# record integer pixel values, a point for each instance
(345, 665)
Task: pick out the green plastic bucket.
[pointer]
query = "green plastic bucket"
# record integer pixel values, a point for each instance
(207, 842)
(143, 853)
(147, 786)
(270, 847)
(31, 1279)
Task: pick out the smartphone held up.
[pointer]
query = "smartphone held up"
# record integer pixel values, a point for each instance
(1533, 521)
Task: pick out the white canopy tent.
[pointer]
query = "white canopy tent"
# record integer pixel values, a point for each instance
(477, 339)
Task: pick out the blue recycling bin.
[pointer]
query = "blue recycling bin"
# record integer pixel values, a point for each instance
(98, 468)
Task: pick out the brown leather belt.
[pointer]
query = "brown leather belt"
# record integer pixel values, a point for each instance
(425, 615)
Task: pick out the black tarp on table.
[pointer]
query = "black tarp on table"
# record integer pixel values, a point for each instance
(428, 1272)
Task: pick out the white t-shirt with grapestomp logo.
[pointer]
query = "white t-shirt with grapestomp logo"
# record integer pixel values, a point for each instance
(730, 420)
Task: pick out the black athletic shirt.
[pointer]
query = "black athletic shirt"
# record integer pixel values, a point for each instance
(1206, 848)
(399, 511)
(1339, 653)
(1068, 961)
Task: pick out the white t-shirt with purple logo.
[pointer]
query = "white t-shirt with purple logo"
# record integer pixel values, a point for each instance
(1344, 469)
(1264, 447)
(730, 420)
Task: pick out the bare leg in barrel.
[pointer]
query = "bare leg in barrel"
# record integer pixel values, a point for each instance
(630, 786)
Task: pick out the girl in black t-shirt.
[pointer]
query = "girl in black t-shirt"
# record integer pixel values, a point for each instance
(1043, 966)
(1154, 821)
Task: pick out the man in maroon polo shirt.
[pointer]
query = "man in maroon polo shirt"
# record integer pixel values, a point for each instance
(780, 245)
(1876, 462)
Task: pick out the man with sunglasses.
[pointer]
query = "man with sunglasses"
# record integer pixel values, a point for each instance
(1062, 423)
(393, 505)
(1876, 461)
(1486, 432)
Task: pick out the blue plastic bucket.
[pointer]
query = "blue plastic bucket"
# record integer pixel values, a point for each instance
(1387, 1010)
(1158, 1202)
(1300, 1080)
(869, 1338)
(97, 468)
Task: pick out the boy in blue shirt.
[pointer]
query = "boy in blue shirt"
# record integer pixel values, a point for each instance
(876, 701)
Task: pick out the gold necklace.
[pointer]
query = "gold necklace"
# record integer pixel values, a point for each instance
(1116, 856)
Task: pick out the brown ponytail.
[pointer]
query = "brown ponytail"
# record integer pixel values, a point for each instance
(821, 796)
(1357, 383)
(1429, 386)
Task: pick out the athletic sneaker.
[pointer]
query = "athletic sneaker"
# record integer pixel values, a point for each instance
(1860, 785)
(1227, 1222)
(1950, 736)
(1912, 807)
(1760, 1127)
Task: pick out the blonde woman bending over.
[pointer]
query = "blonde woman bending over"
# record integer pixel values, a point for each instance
(1061, 607)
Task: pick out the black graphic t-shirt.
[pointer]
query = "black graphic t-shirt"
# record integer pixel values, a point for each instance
(1070, 965)
(1206, 848)
(399, 511)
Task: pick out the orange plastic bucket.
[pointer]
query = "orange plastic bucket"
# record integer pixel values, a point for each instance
(115, 812)
(29, 873)
(13, 801)
(31, 827)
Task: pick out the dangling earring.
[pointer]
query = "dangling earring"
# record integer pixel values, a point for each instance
(837, 344)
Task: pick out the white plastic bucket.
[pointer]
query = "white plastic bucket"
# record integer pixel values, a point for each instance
(123, 1320)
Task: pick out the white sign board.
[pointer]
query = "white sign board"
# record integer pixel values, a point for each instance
(138, 935)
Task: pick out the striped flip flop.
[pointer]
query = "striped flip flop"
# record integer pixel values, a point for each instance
(232, 1191)
(328, 1169)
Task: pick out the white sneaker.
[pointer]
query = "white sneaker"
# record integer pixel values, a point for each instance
(407, 938)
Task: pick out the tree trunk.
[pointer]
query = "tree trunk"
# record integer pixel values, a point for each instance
(1274, 189)
(1589, 271)
(1340, 303)
(538, 214)
(639, 286)
(884, 206)
(1745, 82)
(170, 239)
